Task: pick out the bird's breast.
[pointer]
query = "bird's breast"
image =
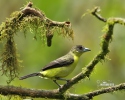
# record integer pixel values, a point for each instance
(60, 71)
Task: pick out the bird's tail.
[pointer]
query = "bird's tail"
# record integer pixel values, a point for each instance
(30, 75)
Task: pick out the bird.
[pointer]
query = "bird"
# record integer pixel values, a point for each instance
(61, 67)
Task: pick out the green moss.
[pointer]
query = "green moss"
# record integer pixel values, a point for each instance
(41, 28)
(10, 61)
(9, 56)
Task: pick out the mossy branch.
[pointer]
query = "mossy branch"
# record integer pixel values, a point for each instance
(105, 41)
(86, 72)
(106, 38)
(55, 94)
(27, 19)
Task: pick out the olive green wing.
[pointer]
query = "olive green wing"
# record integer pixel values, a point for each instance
(60, 62)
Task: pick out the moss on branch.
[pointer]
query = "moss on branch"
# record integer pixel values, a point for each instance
(34, 19)
(27, 19)
(105, 41)
(55, 94)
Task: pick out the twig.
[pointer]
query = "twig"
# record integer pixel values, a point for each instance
(95, 13)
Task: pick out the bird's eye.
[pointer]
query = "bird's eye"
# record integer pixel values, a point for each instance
(80, 47)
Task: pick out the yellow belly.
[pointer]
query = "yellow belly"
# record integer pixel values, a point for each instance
(61, 71)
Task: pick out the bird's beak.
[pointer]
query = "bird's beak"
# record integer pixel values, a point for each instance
(86, 49)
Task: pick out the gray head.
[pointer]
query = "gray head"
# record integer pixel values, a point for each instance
(79, 50)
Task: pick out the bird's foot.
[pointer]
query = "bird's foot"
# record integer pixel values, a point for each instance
(67, 81)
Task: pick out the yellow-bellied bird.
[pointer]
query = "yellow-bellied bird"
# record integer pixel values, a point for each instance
(62, 66)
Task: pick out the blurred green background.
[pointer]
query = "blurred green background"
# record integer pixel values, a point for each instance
(88, 32)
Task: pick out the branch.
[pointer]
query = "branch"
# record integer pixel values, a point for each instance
(12, 90)
(49, 24)
(86, 72)
(106, 39)
(105, 90)
(55, 94)
(28, 10)
(95, 13)
(34, 20)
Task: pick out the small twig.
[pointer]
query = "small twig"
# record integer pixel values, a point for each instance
(95, 13)
(29, 4)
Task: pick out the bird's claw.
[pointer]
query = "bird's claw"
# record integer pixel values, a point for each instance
(67, 81)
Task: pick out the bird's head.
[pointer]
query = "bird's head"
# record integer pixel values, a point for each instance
(78, 50)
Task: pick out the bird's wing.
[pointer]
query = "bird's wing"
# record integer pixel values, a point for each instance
(60, 62)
